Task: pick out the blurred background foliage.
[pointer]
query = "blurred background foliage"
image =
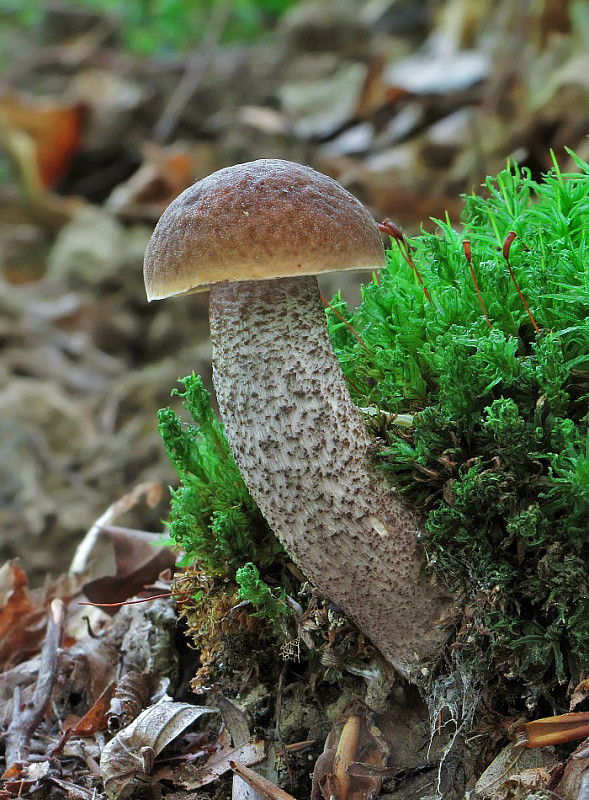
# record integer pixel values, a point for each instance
(156, 27)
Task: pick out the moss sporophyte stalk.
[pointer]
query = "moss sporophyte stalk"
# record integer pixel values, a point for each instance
(494, 445)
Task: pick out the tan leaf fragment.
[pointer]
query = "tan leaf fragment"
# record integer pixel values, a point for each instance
(128, 758)
(513, 769)
(192, 776)
(580, 693)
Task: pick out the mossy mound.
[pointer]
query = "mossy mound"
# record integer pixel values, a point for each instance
(492, 442)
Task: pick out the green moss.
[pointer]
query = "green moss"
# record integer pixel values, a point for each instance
(253, 589)
(497, 455)
(213, 517)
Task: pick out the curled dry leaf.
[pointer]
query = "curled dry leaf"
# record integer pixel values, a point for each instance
(351, 765)
(128, 758)
(132, 694)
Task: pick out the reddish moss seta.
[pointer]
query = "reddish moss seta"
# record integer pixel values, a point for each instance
(345, 321)
(388, 226)
(468, 254)
(506, 249)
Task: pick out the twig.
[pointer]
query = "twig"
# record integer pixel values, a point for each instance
(197, 64)
(261, 785)
(26, 720)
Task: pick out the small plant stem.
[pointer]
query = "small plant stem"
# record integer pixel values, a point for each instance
(506, 248)
(388, 226)
(346, 323)
(404, 250)
(468, 254)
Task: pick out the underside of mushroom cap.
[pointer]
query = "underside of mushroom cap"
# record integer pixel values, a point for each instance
(255, 221)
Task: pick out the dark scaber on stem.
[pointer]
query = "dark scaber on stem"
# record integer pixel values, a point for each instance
(305, 455)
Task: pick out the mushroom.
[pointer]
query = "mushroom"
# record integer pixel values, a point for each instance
(256, 235)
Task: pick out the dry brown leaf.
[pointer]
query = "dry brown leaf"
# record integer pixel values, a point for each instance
(192, 775)
(235, 721)
(128, 759)
(139, 564)
(148, 490)
(527, 783)
(95, 718)
(580, 693)
(22, 621)
(513, 769)
(54, 129)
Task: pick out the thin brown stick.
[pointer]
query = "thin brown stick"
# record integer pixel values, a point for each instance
(261, 785)
(25, 720)
(196, 67)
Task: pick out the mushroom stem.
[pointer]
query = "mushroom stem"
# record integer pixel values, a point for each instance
(305, 455)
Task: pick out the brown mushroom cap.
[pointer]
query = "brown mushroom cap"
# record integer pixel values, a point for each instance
(260, 220)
